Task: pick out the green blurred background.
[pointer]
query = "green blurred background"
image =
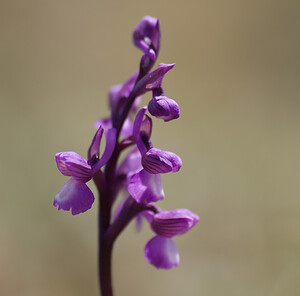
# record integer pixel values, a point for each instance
(237, 83)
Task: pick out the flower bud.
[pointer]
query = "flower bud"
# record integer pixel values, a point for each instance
(164, 108)
(175, 222)
(146, 34)
(156, 161)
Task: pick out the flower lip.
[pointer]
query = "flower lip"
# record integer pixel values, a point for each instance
(162, 252)
(74, 196)
(145, 187)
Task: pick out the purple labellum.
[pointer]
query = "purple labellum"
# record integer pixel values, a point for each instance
(74, 196)
(156, 161)
(162, 252)
(164, 108)
(145, 187)
(175, 222)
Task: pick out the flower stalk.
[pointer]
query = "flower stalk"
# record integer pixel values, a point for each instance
(137, 178)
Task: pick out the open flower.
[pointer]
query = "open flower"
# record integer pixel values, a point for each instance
(161, 250)
(75, 195)
(154, 161)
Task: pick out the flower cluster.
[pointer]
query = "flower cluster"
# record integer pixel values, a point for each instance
(138, 176)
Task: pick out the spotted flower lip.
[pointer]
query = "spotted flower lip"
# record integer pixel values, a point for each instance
(172, 223)
(146, 35)
(163, 108)
(161, 252)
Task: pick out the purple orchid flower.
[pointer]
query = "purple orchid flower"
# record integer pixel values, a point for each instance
(75, 195)
(161, 250)
(154, 161)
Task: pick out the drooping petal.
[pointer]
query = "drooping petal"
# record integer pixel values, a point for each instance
(175, 222)
(146, 34)
(74, 196)
(145, 187)
(72, 164)
(94, 149)
(109, 149)
(164, 108)
(156, 161)
(162, 252)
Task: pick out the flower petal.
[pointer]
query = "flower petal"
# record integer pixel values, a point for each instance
(109, 149)
(152, 80)
(74, 196)
(162, 252)
(94, 149)
(131, 164)
(146, 34)
(145, 187)
(164, 108)
(156, 161)
(120, 92)
(137, 130)
(175, 222)
(127, 127)
(72, 164)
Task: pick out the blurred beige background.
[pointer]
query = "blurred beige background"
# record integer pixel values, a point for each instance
(237, 82)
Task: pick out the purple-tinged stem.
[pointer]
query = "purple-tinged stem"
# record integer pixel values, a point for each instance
(106, 186)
